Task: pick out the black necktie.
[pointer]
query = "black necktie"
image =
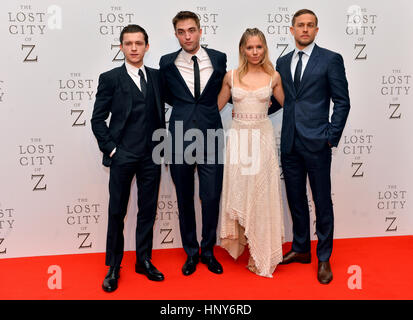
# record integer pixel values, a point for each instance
(197, 81)
(297, 73)
(143, 82)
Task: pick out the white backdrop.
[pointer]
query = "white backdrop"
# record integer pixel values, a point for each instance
(53, 188)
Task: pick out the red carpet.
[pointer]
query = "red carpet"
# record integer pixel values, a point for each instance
(386, 266)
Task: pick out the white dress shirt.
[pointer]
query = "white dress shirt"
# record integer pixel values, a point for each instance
(133, 72)
(185, 66)
(304, 59)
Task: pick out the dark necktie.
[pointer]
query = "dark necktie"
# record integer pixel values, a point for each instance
(297, 73)
(143, 82)
(197, 81)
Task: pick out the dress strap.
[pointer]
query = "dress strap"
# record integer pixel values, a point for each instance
(271, 82)
(232, 78)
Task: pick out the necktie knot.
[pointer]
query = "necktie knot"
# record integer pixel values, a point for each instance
(140, 72)
(300, 53)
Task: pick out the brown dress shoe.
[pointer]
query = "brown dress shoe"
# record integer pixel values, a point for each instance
(324, 275)
(292, 256)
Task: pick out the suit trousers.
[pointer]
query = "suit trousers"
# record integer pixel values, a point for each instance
(297, 165)
(124, 167)
(210, 186)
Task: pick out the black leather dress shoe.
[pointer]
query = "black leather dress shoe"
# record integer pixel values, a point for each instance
(190, 265)
(324, 275)
(212, 263)
(148, 269)
(293, 256)
(110, 283)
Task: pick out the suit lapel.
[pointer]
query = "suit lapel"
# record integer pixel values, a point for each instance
(214, 63)
(124, 84)
(178, 75)
(312, 62)
(155, 90)
(288, 79)
(124, 81)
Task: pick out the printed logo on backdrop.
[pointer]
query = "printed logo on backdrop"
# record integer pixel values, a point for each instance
(76, 93)
(110, 24)
(36, 157)
(6, 226)
(83, 217)
(395, 87)
(209, 20)
(1, 91)
(166, 220)
(358, 146)
(392, 207)
(277, 30)
(361, 25)
(28, 23)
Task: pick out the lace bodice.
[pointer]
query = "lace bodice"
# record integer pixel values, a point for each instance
(250, 101)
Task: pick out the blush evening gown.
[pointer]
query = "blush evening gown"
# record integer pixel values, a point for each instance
(251, 206)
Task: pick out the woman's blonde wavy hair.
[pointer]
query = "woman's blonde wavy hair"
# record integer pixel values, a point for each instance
(243, 62)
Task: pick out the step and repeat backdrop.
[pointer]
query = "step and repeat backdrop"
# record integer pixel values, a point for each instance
(53, 188)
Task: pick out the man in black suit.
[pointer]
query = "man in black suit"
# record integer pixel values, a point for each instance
(192, 79)
(312, 77)
(131, 94)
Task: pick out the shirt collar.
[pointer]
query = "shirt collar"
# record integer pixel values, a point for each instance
(188, 56)
(135, 71)
(307, 50)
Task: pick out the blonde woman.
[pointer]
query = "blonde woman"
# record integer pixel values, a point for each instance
(251, 196)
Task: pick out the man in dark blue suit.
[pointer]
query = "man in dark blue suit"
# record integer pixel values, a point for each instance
(192, 80)
(131, 95)
(312, 77)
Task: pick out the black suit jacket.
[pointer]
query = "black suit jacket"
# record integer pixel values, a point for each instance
(306, 110)
(201, 113)
(114, 97)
